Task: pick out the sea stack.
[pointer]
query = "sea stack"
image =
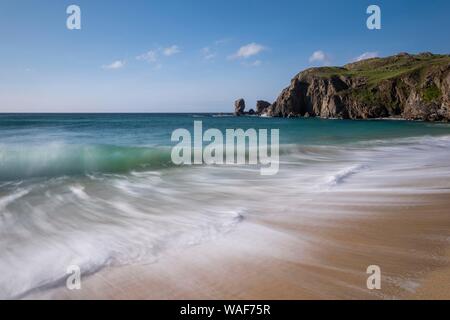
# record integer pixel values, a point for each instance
(261, 106)
(239, 107)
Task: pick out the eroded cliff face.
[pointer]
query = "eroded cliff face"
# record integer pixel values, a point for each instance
(408, 86)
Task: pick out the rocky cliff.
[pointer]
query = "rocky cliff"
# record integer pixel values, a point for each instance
(415, 87)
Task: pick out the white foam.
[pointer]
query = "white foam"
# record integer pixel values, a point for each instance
(344, 174)
(5, 201)
(79, 192)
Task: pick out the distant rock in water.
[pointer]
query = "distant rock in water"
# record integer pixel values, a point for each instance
(414, 87)
(261, 106)
(239, 107)
(251, 112)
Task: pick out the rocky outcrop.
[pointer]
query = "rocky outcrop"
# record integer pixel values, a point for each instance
(415, 87)
(239, 107)
(262, 106)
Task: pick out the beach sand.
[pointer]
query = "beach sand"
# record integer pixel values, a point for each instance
(281, 256)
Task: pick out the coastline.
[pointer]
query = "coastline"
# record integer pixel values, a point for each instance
(276, 257)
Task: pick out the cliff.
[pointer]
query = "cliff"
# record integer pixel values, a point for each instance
(415, 87)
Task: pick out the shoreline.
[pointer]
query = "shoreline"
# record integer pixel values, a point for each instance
(267, 258)
(330, 118)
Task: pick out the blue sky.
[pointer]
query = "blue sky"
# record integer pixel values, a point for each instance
(191, 55)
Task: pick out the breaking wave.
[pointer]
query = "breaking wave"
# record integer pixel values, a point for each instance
(59, 159)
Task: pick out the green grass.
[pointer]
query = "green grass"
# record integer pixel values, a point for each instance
(431, 93)
(366, 96)
(379, 69)
(328, 72)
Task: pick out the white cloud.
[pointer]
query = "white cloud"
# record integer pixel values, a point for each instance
(208, 54)
(115, 65)
(320, 57)
(248, 50)
(212, 51)
(151, 56)
(255, 63)
(366, 55)
(169, 51)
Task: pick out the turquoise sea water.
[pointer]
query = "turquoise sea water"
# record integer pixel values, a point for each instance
(155, 129)
(100, 190)
(60, 144)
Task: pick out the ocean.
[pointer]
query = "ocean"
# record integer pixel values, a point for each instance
(98, 190)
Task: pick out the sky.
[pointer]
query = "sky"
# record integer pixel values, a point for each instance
(192, 55)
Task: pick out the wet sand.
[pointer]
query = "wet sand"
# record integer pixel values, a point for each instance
(283, 256)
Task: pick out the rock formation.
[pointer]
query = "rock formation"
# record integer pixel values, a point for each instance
(239, 107)
(415, 87)
(261, 106)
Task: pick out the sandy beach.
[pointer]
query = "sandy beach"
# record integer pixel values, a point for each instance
(277, 257)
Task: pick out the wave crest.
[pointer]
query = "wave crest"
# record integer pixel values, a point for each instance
(56, 160)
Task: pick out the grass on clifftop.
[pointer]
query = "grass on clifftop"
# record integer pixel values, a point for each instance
(376, 70)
